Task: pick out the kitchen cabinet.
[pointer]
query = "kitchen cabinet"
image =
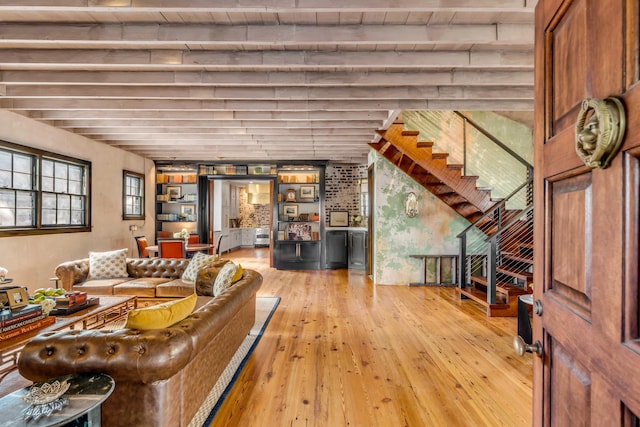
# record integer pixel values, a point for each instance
(346, 248)
(299, 218)
(357, 253)
(336, 249)
(235, 238)
(248, 237)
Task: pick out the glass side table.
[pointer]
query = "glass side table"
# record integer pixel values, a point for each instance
(86, 393)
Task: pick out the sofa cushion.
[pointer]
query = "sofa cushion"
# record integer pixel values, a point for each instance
(225, 278)
(108, 265)
(174, 289)
(199, 261)
(141, 287)
(99, 287)
(205, 287)
(161, 315)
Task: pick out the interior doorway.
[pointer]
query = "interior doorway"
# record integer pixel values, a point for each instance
(239, 211)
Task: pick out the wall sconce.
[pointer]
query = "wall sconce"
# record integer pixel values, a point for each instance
(411, 205)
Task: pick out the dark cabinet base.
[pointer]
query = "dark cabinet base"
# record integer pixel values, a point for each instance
(336, 249)
(298, 255)
(358, 250)
(346, 249)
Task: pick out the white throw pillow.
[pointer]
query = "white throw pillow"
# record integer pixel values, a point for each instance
(196, 263)
(108, 265)
(224, 279)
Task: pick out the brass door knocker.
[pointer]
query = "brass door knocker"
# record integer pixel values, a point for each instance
(599, 131)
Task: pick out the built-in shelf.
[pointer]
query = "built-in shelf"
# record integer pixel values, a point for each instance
(299, 227)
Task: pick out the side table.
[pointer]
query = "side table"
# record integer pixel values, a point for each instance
(86, 394)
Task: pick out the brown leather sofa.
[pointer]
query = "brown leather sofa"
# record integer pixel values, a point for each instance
(162, 376)
(148, 278)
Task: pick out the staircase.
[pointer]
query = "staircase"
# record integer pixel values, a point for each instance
(431, 170)
(498, 257)
(496, 250)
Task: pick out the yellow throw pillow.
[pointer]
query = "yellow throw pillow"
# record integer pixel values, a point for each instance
(161, 315)
(238, 275)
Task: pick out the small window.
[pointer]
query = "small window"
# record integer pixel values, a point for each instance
(132, 195)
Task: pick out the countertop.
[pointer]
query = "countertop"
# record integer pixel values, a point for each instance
(346, 228)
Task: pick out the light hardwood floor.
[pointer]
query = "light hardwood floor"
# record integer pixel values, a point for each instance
(340, 351)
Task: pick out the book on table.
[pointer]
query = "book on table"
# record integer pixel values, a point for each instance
(10, 317)
(29, 327)
(21, 323)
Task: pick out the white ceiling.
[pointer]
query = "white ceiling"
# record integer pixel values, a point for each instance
(259, 79)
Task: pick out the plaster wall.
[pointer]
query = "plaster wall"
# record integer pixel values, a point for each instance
(31, 260)
(397, 236)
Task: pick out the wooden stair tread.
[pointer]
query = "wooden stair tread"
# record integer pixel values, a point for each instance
(424, 144)
(518, 258)
(501, 309)
(524, 275)
(481, 297)
(502, 287)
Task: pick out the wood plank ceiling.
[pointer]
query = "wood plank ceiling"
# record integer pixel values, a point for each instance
(259, 79)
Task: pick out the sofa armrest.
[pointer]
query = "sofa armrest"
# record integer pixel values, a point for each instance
(72, 272)
(128, 355)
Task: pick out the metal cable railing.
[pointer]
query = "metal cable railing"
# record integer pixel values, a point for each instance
(498, 247)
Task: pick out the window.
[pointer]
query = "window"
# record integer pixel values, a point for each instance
(132, 195)
(42, 192)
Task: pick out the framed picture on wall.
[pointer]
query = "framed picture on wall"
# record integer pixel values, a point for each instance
(307, 192)
(187, 212)
(290, 211)
(174, 192)
(339, 219)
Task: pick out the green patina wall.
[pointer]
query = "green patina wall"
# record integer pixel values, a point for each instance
(397, 236)
(434, 230)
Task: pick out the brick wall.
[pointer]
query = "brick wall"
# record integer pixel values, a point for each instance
(342, 189)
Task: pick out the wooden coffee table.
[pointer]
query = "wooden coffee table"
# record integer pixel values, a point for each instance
(110, 309)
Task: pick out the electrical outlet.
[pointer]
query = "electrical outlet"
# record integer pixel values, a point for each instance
(133, 227)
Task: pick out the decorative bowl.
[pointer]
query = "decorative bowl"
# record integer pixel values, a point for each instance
(46, 393)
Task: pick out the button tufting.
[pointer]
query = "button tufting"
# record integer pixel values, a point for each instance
(111, 350)
(141, 350)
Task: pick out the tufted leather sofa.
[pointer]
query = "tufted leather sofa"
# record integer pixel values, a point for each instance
(162, 376)
(148, 278)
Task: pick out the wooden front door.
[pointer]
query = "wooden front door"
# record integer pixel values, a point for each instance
(586, 229)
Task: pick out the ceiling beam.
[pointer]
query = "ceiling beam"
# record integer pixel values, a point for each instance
(274, 116)
(266, 60)
(177, 36)
(269, 93)
(255, 125)
(276, 78)
(268, 5)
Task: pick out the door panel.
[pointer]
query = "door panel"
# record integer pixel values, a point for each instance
(587, 231)
(571, 239)
(572, 380)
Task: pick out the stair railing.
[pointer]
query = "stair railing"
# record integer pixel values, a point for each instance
(481, 243)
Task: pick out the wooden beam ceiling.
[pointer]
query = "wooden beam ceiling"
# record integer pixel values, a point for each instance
(259, 80)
